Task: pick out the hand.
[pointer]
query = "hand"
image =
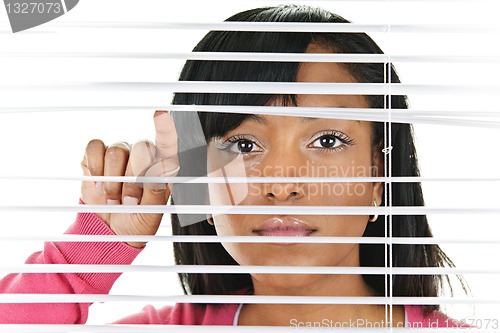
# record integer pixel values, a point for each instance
(142, 159)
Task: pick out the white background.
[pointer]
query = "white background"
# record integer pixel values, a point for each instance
(52, 143)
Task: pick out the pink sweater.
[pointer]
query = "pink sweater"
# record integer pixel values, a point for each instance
(115, 253)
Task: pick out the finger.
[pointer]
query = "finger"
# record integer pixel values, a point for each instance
(89, 193)
(142, 155)
(93, 160)
(91, 196)
(166, 162)
(152, 194)
(141, 158)
(87, 186)
(166, 159)
(115, 163)
(166, 136)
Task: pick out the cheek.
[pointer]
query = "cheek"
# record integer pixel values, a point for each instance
(340, 194)
(227, 225)
(227, 193)
(345, 226)
(348, 194)
(231, 225)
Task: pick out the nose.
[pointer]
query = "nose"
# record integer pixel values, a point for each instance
(285, 160)
(284, 192)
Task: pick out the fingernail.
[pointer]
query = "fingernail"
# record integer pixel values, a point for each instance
(98, 186)
(171, 173)
(160, 112)
(130, 201)
(113, 202)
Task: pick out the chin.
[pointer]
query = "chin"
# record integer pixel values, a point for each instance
(288, 284)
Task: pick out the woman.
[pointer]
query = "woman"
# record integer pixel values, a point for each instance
(257, 145)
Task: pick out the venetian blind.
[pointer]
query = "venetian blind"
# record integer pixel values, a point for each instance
(103, 68)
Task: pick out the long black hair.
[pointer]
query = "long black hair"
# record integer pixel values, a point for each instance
(193, 140)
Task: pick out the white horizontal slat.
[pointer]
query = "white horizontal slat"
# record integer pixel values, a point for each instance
(210, 329)
(249, 180)
(313, 88)
(236, 269)
(410, 118)
(284, 27)
(452, 119)
(263, 210)
(250, 239)
(449, 118)
(319, 112)
(237, 299)
(256, 56)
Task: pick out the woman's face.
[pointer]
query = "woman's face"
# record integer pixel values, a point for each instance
(296, 147)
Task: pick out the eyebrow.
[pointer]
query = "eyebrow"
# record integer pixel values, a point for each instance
(262, 120)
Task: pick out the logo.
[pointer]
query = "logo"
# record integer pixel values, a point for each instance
(24, 15)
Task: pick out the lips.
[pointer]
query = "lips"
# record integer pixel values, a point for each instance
(286, 226)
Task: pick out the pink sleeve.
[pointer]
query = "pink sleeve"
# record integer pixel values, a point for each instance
(435, 319)
(102, 253)
(184, 314)
(150, 315)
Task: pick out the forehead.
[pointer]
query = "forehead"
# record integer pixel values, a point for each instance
(327, 72)
(323, 71)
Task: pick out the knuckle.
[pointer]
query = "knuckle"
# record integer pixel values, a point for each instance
(166, 145)
(141, 157)
(156, 191)
(132, 189)
(112, 188)
(83, 163)
(146, 143)
(95, 171)
(144, 146)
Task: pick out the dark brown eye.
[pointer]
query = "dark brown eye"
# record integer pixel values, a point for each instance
(245, 146)
(240, 144)
(327, 141)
